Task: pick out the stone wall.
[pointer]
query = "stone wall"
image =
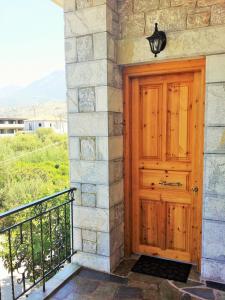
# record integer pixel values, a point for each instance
(193, 28)
(95, 131)
(213, 247)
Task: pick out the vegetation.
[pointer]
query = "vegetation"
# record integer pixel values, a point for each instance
(32, 166)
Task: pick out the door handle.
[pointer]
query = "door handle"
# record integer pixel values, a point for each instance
(195, 189)
(165, 183)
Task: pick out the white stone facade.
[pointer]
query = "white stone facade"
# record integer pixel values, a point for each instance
(101, 36)
(95, 108)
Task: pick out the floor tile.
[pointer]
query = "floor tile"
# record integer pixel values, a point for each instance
(95, 275)
(125, 292)
(204, 293)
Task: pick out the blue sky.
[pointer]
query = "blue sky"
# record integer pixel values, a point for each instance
(31, 40)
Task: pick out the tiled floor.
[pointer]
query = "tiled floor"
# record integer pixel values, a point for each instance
(124, 284)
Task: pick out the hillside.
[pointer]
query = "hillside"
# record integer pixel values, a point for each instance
(42, 99)
(48, 88)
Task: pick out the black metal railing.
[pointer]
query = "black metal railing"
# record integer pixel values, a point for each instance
(36, 240)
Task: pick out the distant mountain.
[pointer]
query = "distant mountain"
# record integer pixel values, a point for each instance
(45, 111)
(49, 88)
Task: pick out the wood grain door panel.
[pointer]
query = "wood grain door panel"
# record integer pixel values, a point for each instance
(164, 134)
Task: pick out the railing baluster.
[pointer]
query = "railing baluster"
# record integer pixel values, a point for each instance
(65, 215)
(71, 226)
(28, 233)
(32, 249)
(50, 235)
(42, 250)
(11, 264)
(21, 242)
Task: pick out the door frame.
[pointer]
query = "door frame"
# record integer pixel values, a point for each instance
(160, 68)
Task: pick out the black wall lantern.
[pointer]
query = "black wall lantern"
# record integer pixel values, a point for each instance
(157, 41)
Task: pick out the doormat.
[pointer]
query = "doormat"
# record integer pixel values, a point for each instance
(216, 285)
(163, 268)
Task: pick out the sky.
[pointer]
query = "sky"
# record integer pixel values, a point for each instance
(31, 40)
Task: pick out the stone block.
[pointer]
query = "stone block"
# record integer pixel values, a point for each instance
(218, 14)
(77, 193)
(215, 140)
(214, 240)
(85, 48)
(164, 3)
(170, 19)
(109, 148)
(133, 26)
(198, 18)
(111, 47)
(87, 99)
(95, 219)
(215, 174)
(115, 170)
(100, 45)
(114, 74)
(70, 50)
(74, 148)
(116, 193)
(109, 99)
(214, 207)
(102, 148)
(190, 3)
(88, 199)
(115, 259)
(116, 238)
(215, 104)
(103, 196)
(88, 188)
(83, 3)
(115, 99)
(101, 93)
(88, 124)
(89, 235)
(89, 246)
(204, 41)
(88, 148)
(215, 65)
(115, 147)
(93, 261)
(115, 124)
(213, 270)
(208, 2)
(145, 5)
(103, 243)
(85, 21)
(94, 172)
(77, 240)
(78, 76)
(72, 100)
(125, 7)
(116, 215)
(69, 5)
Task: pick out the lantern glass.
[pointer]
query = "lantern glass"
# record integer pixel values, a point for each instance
(157, 41)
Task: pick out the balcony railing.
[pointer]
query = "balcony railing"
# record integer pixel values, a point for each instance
(36, 240)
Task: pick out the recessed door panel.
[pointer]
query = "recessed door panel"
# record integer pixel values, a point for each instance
(178, 120)
(151, 97)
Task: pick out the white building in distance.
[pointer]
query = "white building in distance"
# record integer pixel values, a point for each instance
(10, 126)
(59, 126)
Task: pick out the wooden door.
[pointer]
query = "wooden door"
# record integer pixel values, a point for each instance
(165, 164)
